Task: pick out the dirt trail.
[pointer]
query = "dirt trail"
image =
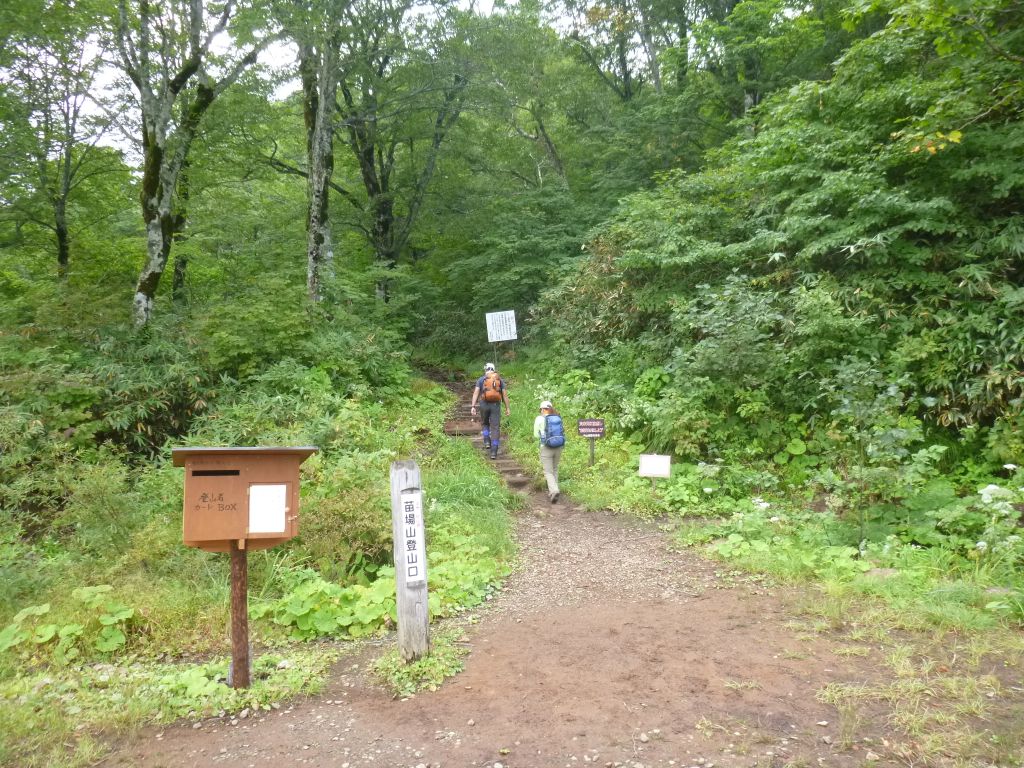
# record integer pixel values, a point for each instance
(605, 648)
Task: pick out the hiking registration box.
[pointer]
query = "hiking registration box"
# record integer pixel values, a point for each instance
(245, 495)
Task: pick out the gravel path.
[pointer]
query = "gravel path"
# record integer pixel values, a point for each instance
(605, 647)
(570, 557)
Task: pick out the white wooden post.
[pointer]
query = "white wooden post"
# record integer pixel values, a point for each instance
(410, 560)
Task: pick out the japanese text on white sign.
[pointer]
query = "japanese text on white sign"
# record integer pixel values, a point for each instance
(501, 326)
(413, 551)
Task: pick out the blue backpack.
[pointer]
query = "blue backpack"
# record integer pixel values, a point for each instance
(554, 435)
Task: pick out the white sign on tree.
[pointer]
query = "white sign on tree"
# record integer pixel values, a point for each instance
(501, 326)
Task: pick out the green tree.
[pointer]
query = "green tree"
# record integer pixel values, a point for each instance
(51, 136)
(166, 52)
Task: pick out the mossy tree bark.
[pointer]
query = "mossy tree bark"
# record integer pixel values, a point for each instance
(175, 91)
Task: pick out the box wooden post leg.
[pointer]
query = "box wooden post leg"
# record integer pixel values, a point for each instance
(239, 616)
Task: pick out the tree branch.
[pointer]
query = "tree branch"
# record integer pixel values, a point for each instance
(589, 54)
(286, 168)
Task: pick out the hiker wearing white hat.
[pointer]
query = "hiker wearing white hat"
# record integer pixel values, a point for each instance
(490, 390)
(547, 428)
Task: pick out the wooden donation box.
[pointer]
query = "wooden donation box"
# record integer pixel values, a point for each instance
(249, 496)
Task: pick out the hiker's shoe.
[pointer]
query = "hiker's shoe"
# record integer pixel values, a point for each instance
(494, 453)
(487, 443)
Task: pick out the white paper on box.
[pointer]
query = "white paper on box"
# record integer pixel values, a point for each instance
(268, 508)
(655, 465)
(501, 326)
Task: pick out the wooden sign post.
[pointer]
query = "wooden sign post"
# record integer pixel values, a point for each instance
(240, 662)
(410, 560)
(591, 429)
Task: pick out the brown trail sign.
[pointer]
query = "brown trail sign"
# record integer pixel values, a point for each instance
(591, 429)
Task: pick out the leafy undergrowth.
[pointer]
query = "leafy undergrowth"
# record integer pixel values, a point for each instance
(105, 602)
(405, 679)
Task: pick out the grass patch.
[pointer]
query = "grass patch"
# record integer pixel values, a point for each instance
(946, 692)
(61, 717)
(444, 661)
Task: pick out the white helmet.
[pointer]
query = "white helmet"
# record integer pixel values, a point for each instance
(488, 367)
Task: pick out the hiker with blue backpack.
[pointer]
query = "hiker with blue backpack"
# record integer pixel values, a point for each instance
(549, 430)
(490, 391)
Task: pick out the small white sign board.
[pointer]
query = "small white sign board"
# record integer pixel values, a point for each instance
(501, 326)
(268, 508)
(655, 465)
(413, 547)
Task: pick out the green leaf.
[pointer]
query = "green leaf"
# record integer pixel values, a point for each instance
(117, 613)
(44, 633)
(12, 635)
(92, 596)
(369, 614)
(110, 639)
(32, 610)
(325, 622)
(71, 630)
(796, 447)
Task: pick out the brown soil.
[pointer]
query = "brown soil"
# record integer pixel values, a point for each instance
(606, 647)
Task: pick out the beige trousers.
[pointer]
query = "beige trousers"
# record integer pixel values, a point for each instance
(549, 458)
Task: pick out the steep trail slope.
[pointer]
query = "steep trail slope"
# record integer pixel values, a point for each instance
(605, 647)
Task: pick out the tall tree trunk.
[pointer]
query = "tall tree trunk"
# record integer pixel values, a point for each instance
(178, 294)
(60, 227)
(650, 48)
(622, 47)
(161, 169)
(549, 147)
(683, 54)
(60, 206)
(320, 85)
(159, 177)
(389, 233)
(179, 235)
(384, 241)
(164, 85)
(159, 226)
